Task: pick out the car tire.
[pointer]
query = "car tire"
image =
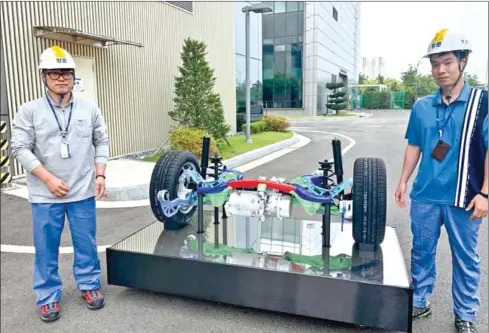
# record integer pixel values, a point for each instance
(369, 194)
(165, 176)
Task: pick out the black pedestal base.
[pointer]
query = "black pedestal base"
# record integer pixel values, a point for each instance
(276, 265)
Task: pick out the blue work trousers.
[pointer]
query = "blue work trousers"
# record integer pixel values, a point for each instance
(426, 222)
(48, 224)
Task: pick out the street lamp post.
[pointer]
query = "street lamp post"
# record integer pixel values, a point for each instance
(255, 8)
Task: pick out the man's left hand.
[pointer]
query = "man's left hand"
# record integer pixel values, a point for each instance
(99, 187)
(479, 204)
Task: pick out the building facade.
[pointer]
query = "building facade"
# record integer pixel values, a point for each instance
(127, 55)
(305, 46)
(256, 74)
(373, 67)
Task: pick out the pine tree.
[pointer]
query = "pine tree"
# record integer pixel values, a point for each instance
(196, 104)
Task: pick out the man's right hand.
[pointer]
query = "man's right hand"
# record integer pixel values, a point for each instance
(400, 193)
(57, 187)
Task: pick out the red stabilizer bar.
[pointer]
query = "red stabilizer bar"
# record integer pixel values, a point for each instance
(253, 183)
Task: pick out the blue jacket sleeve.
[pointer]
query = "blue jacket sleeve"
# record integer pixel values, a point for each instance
(413, 134)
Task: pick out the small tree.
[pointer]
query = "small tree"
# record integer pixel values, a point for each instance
(337, 100)
(196, 104)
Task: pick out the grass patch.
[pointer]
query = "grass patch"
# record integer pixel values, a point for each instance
(238, 145)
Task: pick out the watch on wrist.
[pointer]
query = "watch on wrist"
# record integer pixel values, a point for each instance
(100, 176)
(483, 194)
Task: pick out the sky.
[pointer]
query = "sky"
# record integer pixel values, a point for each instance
(400, 32)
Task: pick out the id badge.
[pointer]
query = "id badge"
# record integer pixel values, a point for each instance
(440, 151)
(65, 150)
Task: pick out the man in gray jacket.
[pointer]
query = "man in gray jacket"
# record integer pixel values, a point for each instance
(62, 143)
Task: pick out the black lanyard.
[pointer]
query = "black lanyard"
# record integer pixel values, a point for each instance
(63, 133)
(441, 129)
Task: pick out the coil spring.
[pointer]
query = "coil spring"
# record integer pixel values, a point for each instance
(328, 172)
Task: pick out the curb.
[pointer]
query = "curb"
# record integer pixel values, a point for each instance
(141, 192)
(326, 118)
(239, 160)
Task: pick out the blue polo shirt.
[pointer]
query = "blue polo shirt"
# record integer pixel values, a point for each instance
(436, 182)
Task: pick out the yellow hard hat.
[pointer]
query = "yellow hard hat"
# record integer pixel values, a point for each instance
(447, 41)
(56, 57)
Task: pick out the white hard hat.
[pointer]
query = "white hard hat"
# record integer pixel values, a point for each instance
(448, 41)
(56, 58)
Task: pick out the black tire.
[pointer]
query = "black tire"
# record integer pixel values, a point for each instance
(369, 201)
(165, 177)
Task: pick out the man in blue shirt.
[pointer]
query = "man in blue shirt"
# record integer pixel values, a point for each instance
(447, 131)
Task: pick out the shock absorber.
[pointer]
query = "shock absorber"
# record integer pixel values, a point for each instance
(338, 161)
(216, 164)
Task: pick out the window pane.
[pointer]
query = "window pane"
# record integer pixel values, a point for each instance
(292, 6)
(300, 25)
(268, 4)
(279, 7)
(267, 26)
(293, 24)
(240, 83)
(279, 48)
(255, 81)
(280, 25)
(280, 40)
(279, 62)
(268, 62)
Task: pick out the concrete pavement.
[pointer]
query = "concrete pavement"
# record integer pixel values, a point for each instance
(136, 311)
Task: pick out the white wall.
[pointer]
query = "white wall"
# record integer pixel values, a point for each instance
(330, 46)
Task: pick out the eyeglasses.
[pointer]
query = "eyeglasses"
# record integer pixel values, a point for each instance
(57, 75)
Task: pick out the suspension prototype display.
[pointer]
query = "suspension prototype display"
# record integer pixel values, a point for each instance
(180, 186)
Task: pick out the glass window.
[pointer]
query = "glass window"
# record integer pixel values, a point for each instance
(268, 26)
(280, 25)
(279, 65)
(301, 5)
(280, 48)
(279, 7)
(300, 24)
(256, 94)
(292, 28)
(268, 62)
(280, 40)
(292, 6)
(268, 4)
(282, 61)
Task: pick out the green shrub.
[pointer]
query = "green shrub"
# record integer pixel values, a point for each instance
(240, 120)
(256, 127)
(190, 139)
(377, 100)
(276, 123)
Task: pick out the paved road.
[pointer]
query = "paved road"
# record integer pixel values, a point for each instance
(135, 311)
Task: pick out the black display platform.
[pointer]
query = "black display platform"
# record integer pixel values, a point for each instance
(272, 265)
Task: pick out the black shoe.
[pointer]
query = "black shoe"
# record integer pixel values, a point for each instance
(463, 326)
(49, 312)
(421, 312)
(94, 299)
